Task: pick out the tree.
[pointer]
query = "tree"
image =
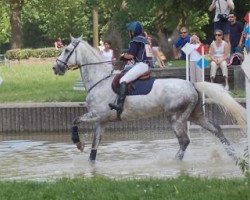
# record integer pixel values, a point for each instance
(16, 23)
(59, 18)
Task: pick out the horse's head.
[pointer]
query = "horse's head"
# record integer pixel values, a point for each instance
(68, 57)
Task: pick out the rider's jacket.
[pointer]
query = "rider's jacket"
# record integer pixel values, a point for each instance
(140, 48)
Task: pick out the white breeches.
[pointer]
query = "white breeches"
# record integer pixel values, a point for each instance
(137, 70)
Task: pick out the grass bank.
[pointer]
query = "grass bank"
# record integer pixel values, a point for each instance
(100, 188)
(37, 83)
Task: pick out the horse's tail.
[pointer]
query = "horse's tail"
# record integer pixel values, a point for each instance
(221, 97)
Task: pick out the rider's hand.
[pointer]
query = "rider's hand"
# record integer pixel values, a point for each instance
(122, 57)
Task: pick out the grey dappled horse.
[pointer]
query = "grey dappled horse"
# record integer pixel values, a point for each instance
(179, 99)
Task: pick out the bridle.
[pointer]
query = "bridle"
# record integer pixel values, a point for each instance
(66, 66)
(65, 63)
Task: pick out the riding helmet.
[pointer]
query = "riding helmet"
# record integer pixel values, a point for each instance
(135, 27)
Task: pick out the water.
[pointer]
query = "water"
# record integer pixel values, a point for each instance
(119, 156)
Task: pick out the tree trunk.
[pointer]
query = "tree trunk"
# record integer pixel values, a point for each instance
(95, 26)
(16, 23)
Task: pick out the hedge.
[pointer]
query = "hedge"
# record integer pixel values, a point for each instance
(19, 54)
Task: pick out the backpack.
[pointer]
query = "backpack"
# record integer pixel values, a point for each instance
(236, 59)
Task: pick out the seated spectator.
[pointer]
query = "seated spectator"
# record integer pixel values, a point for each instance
(236, 29)
(107, 53)
(182, 40)
(59, 43)
(219, 52)
(157, 59)
(195, 71)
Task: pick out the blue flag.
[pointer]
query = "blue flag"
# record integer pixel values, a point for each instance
(206, 63)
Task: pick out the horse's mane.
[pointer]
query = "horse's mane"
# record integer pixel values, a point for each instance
(92, 53)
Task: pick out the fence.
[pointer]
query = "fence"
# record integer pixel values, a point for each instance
(58, 117)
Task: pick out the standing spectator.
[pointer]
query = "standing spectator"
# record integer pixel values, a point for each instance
(182, 40)
(218, 52)
(222, 9)
(195, 71)
(108, 53)
(59, 43)
(157, 59)
(236, 29)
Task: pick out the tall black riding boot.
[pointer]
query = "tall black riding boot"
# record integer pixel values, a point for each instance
(120, 100)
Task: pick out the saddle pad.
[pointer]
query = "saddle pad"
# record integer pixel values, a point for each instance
(141, 87)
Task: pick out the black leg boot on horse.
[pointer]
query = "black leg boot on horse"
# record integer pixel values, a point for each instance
(120, 101)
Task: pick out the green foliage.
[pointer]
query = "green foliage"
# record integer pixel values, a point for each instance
(197, 20)
(44, 20)
(18, 54)
(59, 18)
(4, 24)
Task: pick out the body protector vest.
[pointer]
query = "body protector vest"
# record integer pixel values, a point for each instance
(144, 53)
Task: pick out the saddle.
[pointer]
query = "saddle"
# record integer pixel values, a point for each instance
(142, 85)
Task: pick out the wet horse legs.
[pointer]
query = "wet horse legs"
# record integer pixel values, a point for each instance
(216, 130)
(99, 129)
(180, 129)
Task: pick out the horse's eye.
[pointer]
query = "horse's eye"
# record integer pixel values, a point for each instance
(66, 50)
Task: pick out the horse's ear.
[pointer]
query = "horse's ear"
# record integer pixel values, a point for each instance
(71, 37)
(80, 38)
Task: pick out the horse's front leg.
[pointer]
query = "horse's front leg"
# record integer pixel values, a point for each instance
(99, 130)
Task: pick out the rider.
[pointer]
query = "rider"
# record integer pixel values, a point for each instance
(139, 59)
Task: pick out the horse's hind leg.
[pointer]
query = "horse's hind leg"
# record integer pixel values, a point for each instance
(216, 130)
(180, 129)
(99, 129)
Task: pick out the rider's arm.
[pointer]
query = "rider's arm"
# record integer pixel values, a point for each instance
(128, 56)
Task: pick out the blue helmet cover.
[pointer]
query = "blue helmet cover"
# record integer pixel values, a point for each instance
(135, 27)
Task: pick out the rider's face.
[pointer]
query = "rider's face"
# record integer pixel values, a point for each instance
(130, 33)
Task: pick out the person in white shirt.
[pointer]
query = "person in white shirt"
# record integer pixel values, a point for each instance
(107, 52)
(195, 71)
(219, 52)
(222, 10)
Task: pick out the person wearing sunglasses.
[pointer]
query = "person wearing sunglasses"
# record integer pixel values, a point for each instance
(219, 53)
(222, 9)
(182, 40)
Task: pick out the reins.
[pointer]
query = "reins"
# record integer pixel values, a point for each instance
(111, 73)
(96, 63)
(74, 67)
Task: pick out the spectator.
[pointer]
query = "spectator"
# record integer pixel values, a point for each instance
(195, 71)
(59, 43)
(218, 52)
(107, 52)
(222, 9)
(182, 40)
(236, 29)
(157, 59)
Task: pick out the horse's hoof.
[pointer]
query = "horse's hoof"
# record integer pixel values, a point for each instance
(179, 155)
(92, 162)
(80, 146)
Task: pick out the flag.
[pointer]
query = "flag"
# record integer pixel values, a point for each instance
(206, 63)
